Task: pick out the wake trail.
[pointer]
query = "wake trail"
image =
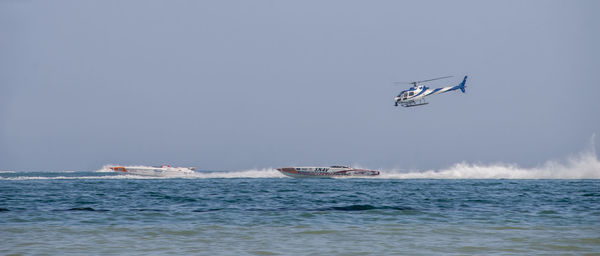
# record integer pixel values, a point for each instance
(584, 165)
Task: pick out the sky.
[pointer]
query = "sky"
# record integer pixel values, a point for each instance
(234, 85)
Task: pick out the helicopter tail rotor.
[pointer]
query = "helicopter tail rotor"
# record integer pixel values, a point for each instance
(462, 85)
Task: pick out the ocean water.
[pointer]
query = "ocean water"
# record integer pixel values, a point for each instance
(260, 212)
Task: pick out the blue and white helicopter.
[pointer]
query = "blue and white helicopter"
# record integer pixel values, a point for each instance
(415, 96)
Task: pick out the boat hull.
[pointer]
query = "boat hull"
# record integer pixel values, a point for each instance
(326, 172)
(153, 171)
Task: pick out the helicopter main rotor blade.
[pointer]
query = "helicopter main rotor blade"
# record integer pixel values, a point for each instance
(418, 82)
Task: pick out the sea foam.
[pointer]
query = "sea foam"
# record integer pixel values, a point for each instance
(584, 165)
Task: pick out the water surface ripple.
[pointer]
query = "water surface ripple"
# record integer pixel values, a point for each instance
(282, 216)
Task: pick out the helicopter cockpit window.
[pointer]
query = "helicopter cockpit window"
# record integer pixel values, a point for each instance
(411, 93)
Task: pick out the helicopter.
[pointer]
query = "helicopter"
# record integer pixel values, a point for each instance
(415, 96)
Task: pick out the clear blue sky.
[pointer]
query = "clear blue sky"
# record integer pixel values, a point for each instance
(227, 85)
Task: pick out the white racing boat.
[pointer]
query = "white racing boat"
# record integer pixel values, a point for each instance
(163, 170)
(326, 172)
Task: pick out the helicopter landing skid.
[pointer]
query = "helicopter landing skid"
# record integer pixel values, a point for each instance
(415, 103)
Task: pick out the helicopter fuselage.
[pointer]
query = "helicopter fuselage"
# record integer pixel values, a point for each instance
(415, 96)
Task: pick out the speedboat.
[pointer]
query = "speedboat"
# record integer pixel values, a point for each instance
(326, 172)
(163, 170)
